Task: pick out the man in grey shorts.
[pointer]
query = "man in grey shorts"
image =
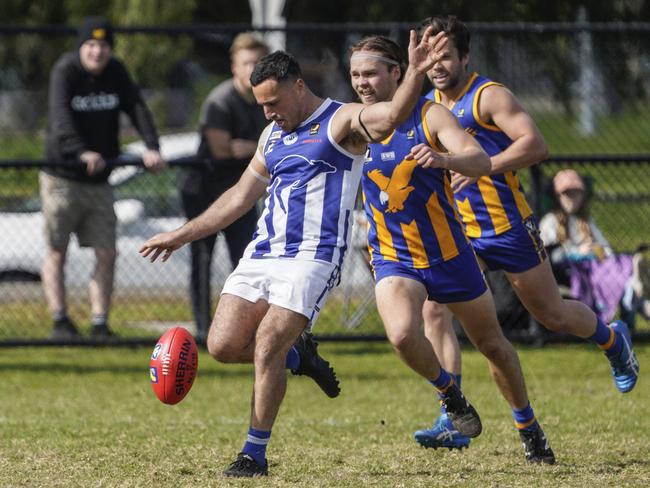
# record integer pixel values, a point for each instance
(88, 90)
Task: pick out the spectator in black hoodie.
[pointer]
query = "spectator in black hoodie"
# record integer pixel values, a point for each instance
(88, 90)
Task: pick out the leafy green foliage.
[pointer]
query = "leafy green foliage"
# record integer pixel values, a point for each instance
(151, 58)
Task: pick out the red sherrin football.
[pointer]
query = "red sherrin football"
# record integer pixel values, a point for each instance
(173, 365)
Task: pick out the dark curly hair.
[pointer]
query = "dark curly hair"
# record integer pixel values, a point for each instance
(279, 66)
(451, 25)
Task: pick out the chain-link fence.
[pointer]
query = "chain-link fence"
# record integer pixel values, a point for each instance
(586, 85)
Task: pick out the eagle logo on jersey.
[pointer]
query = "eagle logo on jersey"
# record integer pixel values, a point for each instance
(394, 190)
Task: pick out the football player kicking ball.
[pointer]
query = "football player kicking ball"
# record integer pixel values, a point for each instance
(502, 228)
(309, 161)
(418, 248)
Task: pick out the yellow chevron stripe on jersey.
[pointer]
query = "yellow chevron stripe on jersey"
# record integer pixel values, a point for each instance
(414, 243)
(386, 246)
(388, 138)
(427, 132)
(410, 209)
(493, 204)
(451, 198)
(496, 203)
(435, 144)
(472, 229)
(522, 205)
(475, 111)
(448, 248)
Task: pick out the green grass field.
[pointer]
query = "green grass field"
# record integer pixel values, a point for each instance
(88, 418)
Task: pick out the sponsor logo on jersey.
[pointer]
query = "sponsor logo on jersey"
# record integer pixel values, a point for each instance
(153, 375)
(410, 134)
(276, 134)
(460, 113)
(314, 129)
(95, 102)
(290, 139)
(388, 156)
(156, 351)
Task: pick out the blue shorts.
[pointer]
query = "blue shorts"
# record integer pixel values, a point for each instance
(458, 280)
(515, 251)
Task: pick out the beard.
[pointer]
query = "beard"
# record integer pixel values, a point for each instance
(449, 83)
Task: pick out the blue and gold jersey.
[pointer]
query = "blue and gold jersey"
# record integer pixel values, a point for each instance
(410, 210)
(495, 203)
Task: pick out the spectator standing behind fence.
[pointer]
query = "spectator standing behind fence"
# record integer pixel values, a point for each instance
(230, 125)
(569, 229)
(88, 89)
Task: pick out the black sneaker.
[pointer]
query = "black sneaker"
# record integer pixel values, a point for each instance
(536, 446)
(101, 331)
(64, 329)
(314, 366)
(462, 415)
(246, 467)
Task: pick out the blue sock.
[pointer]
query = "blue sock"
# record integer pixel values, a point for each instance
(256, 443)
(293, 359)
(606, 339)
(457, 378)
(524, 418)
(442, 382)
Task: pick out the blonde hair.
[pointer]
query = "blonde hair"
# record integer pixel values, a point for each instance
(248, 40)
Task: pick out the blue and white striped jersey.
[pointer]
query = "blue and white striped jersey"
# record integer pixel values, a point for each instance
(311, 193)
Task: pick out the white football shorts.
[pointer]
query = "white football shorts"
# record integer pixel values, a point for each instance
(298, 285)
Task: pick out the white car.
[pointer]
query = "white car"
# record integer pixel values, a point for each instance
(23, 249)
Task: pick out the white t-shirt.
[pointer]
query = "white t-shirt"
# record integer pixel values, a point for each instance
(577, 239)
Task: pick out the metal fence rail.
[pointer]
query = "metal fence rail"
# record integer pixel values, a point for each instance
(151, 296)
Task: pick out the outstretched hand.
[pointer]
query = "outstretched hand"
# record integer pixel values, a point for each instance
(165, 243)
(424, 54)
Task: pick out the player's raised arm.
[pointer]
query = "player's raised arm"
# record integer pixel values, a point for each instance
(234, 203)
(377, 121)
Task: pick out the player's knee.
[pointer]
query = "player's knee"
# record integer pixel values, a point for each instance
(267, 354)
(552, 319)
(494, 350)
(221, 351)
(401, 338)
